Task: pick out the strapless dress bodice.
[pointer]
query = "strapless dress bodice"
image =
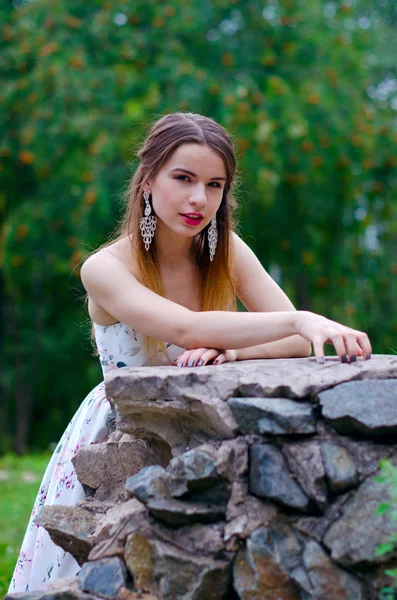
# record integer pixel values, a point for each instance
(119, 345)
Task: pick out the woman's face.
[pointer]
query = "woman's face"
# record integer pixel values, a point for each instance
(191, 181)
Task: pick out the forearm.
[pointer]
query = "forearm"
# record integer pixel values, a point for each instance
(291, 347)
(233, 330)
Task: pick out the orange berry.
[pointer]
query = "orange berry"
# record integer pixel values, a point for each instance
(90, 197)
(314, 98)
(343, 161)
(76, 257)
(307, 146)
(169, 10)
(307, 258)
(21, 232)
(26, 157)
(76, 62)
(368, 163)
(227, 59)
(73, 22)
(48, 49)
(322, 282)
(16, 260)
(87, 176)
(158, 22)
(285, 244)
(317, 161)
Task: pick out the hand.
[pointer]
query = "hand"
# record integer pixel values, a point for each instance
(346, 341)
(202, 356)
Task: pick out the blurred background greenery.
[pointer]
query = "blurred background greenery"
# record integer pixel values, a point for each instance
(308, 91)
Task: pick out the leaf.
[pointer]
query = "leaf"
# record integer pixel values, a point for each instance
(384, 549)
(382, 508)
(391, 572)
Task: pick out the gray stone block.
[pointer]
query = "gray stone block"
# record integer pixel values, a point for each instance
(339, 466)
(103, 578)
(273, 416)
(364, 407)
(269, 477)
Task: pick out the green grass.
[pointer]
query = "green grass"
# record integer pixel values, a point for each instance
(19, 482)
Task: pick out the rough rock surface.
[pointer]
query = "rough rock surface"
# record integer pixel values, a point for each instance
(343, 407)
(184, 408)
(305, 461)
(273, 416)
(355, 535)
(244, 490)
(103, 578)
(329, 581)
(103, 468)
(270, 478)
(70, 528)
(165, 570)
(339, 466)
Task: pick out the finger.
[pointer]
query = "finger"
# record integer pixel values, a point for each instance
(196, 356)
(364, 343)
(226, 356)
(209, 354)
(318, 342)
(184, 358)
(353, 349)
(340, 346)
(220, 359)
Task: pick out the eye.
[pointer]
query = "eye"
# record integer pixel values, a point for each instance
(182, 177)
(215, 184)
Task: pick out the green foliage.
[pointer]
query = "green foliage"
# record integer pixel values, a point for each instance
(20, 482)
(297, 84)
(388, 476)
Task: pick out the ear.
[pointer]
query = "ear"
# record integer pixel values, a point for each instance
(147, 187)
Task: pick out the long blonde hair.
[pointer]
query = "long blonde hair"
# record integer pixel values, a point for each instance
(217, 281)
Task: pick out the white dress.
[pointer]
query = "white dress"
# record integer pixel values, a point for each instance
(40, 561)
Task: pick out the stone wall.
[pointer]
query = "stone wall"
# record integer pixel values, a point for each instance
(251, 480)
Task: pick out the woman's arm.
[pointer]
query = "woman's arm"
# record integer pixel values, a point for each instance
(260, 293)
(110, 284)
(290, 347)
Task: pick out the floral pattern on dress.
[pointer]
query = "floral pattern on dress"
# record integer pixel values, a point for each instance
(40, 561)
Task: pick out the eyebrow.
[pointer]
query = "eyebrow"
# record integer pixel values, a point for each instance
(193, 174)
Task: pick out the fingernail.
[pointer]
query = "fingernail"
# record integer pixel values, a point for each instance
(367, 356)
(344, 358)
(321, 360)
(200, 362)
(353, 358)
(190, 363)
(216, 361)
(180, 363)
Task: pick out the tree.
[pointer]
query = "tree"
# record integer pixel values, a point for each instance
(298, 87)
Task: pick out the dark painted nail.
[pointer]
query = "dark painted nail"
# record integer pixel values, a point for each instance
(190, 363)
(321, 360)
(353, 358)
(200, 362)
(344, 358)
(367, 356)
(216, 361)
(180, 363)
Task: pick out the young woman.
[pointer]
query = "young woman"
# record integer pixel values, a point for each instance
(164, 292)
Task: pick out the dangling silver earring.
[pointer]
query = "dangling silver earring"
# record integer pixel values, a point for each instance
(147, 223)
(212, 237)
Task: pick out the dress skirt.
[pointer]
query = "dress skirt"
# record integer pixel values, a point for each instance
(40, 561)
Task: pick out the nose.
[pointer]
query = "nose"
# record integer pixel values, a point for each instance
(198, 197)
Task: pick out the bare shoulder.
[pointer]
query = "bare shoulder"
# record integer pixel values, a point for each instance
(116, 255)
(241, 252)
